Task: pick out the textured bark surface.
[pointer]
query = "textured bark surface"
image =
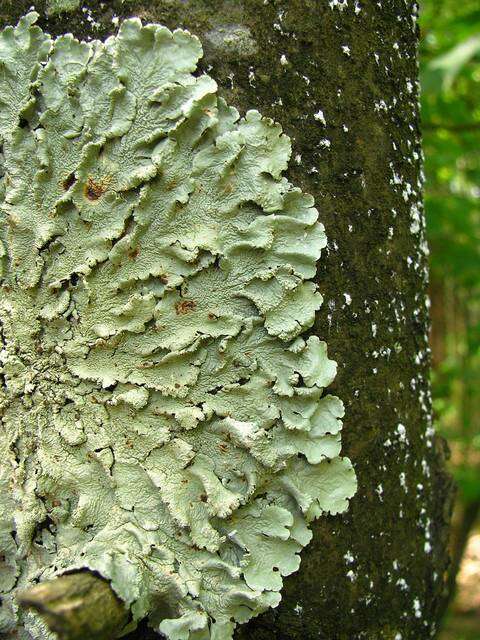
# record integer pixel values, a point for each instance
(340, 76)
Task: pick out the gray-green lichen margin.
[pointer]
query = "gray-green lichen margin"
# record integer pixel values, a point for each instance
(164, 421)
(341, 77)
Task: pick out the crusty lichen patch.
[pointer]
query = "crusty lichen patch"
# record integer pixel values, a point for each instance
(164, 420)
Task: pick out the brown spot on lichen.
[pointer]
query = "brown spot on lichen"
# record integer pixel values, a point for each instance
(185, 306)
(229, 187)
(94, 190)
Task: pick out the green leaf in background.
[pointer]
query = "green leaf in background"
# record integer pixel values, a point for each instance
(441, 72)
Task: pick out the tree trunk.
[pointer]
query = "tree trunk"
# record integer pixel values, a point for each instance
(341, 77)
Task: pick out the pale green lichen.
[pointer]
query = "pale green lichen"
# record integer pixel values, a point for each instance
(164, 422)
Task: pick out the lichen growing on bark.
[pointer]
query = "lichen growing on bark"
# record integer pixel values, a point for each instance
(164, 419)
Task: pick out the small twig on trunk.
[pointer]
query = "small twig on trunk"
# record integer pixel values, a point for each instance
(77, 606)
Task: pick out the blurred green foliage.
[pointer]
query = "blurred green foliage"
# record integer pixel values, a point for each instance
(450, 77)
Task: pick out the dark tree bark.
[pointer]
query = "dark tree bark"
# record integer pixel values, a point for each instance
(341, 77)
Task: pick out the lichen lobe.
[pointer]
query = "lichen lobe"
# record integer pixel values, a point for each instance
(165, 422)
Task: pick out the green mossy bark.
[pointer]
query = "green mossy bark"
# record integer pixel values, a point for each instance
(377, 572)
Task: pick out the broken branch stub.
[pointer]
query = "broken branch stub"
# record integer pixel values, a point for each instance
(77, 606)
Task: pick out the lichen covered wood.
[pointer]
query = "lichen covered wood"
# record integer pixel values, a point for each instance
(164, 420)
